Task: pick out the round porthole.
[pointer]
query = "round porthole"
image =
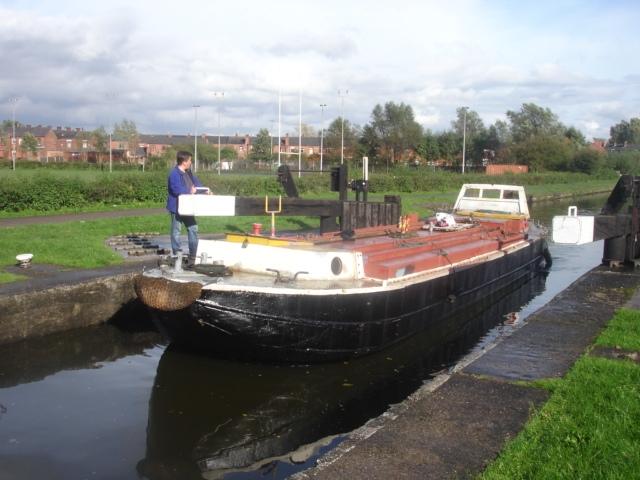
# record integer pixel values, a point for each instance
(336, 266)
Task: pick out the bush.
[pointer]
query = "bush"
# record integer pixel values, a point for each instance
(544, 153)
(49, 190)
(627, 162)
(587, 160)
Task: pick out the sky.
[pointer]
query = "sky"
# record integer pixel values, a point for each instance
(86, 64)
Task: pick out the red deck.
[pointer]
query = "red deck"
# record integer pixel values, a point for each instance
(387, 257)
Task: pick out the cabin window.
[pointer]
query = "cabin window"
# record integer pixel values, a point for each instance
(472, 193)
(492, 193)
(510, 195)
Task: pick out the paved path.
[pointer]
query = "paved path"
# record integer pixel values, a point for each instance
(74, 217)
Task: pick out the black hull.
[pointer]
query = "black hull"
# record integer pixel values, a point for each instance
(313, 328)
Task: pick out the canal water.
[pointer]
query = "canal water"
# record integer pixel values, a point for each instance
(117, 402)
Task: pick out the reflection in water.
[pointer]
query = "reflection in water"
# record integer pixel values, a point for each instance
(36, 358)
(212, 417)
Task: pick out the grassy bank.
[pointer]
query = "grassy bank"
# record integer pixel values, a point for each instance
(589, 426)
(81, 244)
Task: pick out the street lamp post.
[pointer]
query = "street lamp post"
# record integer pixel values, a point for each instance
(300, 135)
(221, 95)
(342, 95)
(110, 97)
(464, 136)
(322, 107)
(271, 144)
(14, 101)
(279, 126)
(195, 137)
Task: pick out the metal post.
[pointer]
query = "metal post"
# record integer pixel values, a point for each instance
(464, 137)
(195, 137)
(300, 134)
(346, 92)
(110, 97)
(322, 107)
(221, 94)
(271, 145)
(279, 125)
(14, 142)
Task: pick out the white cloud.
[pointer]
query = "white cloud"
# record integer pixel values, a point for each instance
(65, 61)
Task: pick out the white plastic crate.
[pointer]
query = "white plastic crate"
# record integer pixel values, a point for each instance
(207, 205)
(573, 228)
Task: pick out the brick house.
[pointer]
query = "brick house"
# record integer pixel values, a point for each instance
(53, 144)
(43, 135)
(75, 144)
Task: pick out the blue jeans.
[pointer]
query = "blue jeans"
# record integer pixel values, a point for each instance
(192, 233)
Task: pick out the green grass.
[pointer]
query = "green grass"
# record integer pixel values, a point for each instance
(81, 244)
(6, 277)
(588, 428)
(622, 331)
(100, 207)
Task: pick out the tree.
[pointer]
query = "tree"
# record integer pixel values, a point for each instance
(127, 132)
(100, 140)
(625, 132)
(502, 132)
(429, 148)
(532, 121)
(392, 131)
(474, 131)
(261, 148)
(497, 140)
(228, 153)
(448, 145)
(474, 124)
(29, 144)
(333, 139)
(544, 152)
(588, 160)
(625, 162)
(576, 136)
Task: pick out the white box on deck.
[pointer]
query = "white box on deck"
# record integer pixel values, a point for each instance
(573, 229)
(207, 205)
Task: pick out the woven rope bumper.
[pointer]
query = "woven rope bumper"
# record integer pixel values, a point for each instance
(166, 295)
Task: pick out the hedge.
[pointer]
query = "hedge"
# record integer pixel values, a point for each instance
(48, 190)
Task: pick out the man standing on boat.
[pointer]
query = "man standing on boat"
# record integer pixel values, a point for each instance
(182, 181)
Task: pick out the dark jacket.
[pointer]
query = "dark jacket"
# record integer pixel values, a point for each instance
(177, 185)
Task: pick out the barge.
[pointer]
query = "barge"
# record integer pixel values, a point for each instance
(338, 295)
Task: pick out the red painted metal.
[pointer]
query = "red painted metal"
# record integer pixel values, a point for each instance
(386, 257)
